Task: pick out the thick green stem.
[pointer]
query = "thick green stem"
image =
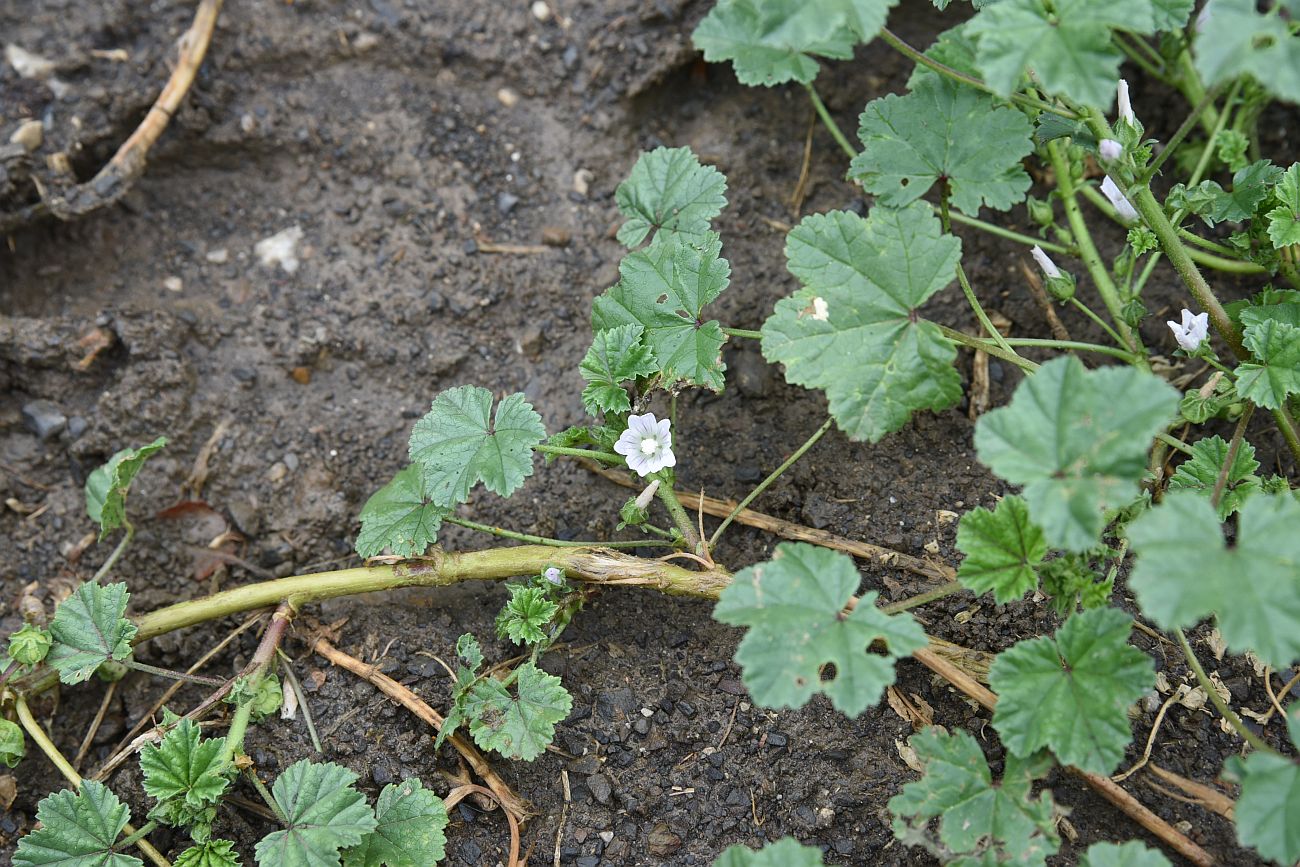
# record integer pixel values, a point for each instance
(1043, 343)
(1228, 713)
(46, 746)
(594, 565)
(998, 231)
(1175, 443)
(1189, 83)
(250, 774)
(941, 592)
(743, 332)
(1087, 250)
(132, 839)
(1008, 355)
(543, 540)
(679, 515)
(1231, 457)
(829, 122)
(604, 457)
(117, 552)
(776, 474)
(1287, 425)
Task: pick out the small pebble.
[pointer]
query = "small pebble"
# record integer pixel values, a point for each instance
(301, 375)
(30, 134)
(582, 179)
(218, 257)
(541, 11)
(280, 249)
(555, 236)
(507, 97)
(506, 202)
(44, 418)
(173, 284)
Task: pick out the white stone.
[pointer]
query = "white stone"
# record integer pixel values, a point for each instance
(280, 249)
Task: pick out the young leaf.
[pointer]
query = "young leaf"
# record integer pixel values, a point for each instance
(1171, 14)
(973, 811)
(866, 348)
(668, 192)
(526, 616)
(1200, 473)
(664, 288)
(519, 726)
(1003, 550)
(786, 852)
(467, 648)
(1268, 811)
(1276, 373)
(954, 48)
(90, 628)
(213, 853)
(794, 606)
(107, 486)
(1130, 854)
(1069, 50)
(78, 829)
(411, 820)
(1284, 220)
(1185, 572)
(459, 443)
(1071, 692)
(1237, 39)
(616, 355)
(1214, 205)
(770, 41)
(1077, 440)
(30, 644)
(12, 745)
(947, 133)
(185, 766)
(325, 814)
(401, 517)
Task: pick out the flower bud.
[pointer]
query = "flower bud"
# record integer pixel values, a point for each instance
(1110, 149)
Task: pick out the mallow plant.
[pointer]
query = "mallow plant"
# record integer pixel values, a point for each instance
(1116, 450)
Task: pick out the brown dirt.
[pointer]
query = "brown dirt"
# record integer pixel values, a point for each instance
(377, 129)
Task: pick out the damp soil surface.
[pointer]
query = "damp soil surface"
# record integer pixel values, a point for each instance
(405, 141)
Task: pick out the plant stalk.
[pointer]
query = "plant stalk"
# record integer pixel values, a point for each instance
(117, 552)
(680, 517)
(743, 332)
(604, 457)
(543, 540)
(829, 122)
(983, 345)
(1228, 713)
(776, 474)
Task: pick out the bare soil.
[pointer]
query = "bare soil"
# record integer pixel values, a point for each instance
(378, 129)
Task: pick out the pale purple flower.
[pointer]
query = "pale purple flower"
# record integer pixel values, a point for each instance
(1118, 201)
(643, 499)
(1191, 333)
(647, 444)
(1110, 149)
(554, 574)
(1125, 107)
(1044, 262)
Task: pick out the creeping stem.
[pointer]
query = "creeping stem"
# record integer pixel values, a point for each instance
(1228, 713)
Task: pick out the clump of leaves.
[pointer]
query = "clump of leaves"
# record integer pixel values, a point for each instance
(108, 485)
(516, 716)
(187, 775)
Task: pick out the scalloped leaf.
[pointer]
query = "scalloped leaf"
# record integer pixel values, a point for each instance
(616, 356)
(1077, 440)
(526, 615)
(213, 853)
(1238, 39)
(1200, 473)
(401, 516)
(943, 132)
(1130, 854)
(664, 289)
(460, 443)
(1274, 375)
(325, 814)
(864, 345)
(186, 766)
(1284, 219)
(522, 725)
(669, 192)
(786, 852)
(1185, 571)
(975, 814)
(78, 829)
(90, 628)
(1071, 692)
(410, 830)
(1003, 549)
(794, 607)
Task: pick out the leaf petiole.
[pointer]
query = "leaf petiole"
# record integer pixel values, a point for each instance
(604, 457)
(543, 540)
(829, 122)
(117, 552)
(1224, 710)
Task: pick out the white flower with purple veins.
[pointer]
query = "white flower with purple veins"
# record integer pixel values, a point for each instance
(1125, 106)
(1045, 262)
(1191, 333)
(1110, 149)
(554, 574)
(1118, 201)
(647, 444)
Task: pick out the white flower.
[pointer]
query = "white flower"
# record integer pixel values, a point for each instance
(643, 499)
(820, 310)
(554, 574)
(1125, 107)
(1122, 205)
(1110, 149)
(647, 444)
(1044, 262)
(1191, 334)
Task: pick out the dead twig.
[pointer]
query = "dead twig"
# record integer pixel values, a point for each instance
(564, 815)
(790, 530)
(801, 187)
(1200, 794)
(458, 794)
(94, 725)
(514, 807)
(113, 181)
(1151, 738)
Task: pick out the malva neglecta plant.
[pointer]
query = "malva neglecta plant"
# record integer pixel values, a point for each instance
(1087, 445)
